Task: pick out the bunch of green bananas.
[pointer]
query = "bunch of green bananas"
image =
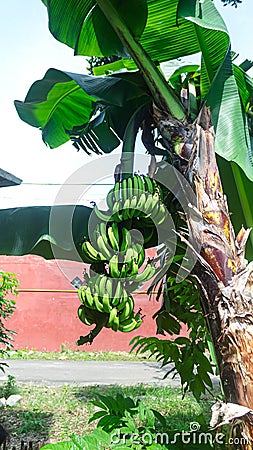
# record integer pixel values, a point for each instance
(116, 256)
(136, 196)
(111, 242)
(118, 249)
(105, 300)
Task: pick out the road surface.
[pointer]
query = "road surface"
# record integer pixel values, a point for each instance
(53, 373)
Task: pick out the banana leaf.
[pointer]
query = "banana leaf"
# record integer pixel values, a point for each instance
(238, 189)
(62, 103)
(165, 30)
(28, 230)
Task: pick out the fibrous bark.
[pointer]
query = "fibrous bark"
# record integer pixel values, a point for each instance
(224, 277)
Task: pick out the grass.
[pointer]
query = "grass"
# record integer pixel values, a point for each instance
(68, 354)
(51, 414)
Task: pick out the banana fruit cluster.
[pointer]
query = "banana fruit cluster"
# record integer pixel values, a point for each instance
(137, 196)
(104, 300)
(116, 256)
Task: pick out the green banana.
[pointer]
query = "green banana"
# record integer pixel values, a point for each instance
(115, 324)
(132, 212)
(129, 256)
(82, 316)
(97, 305)
(102, 229)
(109, 287)
(124, 300)
(133, 201)
(116, 211)
(90, 252)
(126, 312)
(129, 187)
(163, 215)
(155, 211)
(103, 249)
(106, 302)
(151, 204)
(117, 294)
(149, 185)
(124, 190)
(140, 254)
(115, 230)
(123, 271)
(82, 294)
(110, 198)
(112, 316)
(104, 233)
(101, 283)
(146, 274)
(141, 186)
(105, 217)
(126, 240)
(86, 259)
(116, 191)
(113, 241)
(135, 186)
(129, 325)
(114, 267)
(125, 209)
(140, 207)
(134, 268)
(89, 298)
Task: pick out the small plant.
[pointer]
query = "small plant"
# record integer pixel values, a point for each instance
(9, 387)
(122, 424)
(8, 285)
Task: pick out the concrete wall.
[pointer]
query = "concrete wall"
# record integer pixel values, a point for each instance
(46, 320)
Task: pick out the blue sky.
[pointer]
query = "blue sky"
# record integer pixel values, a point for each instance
(28, 50)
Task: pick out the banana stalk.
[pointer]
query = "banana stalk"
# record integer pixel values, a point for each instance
(162, 94)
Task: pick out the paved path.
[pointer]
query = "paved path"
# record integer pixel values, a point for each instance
(53, 373)
(57, 373)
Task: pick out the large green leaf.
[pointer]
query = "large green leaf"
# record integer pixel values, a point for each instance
(27, 230)
(239, 190)
(83, 26)
(229, 118)
(173, 29)
(62, 100)
(169, 29)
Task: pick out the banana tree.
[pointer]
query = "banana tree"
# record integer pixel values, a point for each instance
(196, 117)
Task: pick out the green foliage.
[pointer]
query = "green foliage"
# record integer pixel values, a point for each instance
(191, 356)
(26, 230)
(122, 423)
(64, 106)
(116, 413)
(163, 31)
(8, 285)
(96, 61)
(9, 387)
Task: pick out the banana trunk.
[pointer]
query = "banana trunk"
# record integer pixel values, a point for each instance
(225, 280)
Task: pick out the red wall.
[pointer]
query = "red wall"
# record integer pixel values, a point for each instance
(45, 321)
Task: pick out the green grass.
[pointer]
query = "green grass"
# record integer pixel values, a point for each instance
(50, 414)
(68, 354)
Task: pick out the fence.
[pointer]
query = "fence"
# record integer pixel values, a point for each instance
(22, 446)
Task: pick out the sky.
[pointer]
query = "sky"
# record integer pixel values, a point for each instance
(28, 50)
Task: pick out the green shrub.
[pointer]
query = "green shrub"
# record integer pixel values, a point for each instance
(8, 285)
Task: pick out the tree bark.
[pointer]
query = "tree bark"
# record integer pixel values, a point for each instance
(224, 277)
